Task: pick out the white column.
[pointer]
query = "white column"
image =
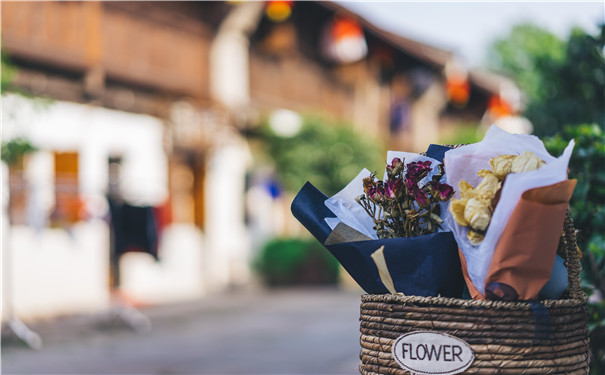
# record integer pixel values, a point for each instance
(229, 56)
(227, 239)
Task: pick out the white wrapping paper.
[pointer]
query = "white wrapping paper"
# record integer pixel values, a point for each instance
(348, 211)
(464, 162)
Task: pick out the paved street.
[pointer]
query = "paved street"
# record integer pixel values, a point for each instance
(291, 331)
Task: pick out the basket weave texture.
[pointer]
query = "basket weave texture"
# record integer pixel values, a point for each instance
(541, 337)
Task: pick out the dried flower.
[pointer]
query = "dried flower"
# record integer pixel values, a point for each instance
(396, 162)
(457, 207)
(501, 165)
(526, 162)
(475, 237)
(441, 191)
(378, 193)
(368, 183)
(476, 205)
(395, 167)
(393, 189)
(421, 198)
(399, 206)
(478, 213)
(411, 185)
(417, 170)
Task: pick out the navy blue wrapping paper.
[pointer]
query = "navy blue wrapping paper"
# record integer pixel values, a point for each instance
(308, 207)
(426, 265)
(437, 152)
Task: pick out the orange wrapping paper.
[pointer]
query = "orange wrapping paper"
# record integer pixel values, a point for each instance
(525, 254)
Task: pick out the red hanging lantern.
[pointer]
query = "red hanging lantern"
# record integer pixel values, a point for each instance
(344, 41)
(458, 91)
(499, 107)
(279, 10)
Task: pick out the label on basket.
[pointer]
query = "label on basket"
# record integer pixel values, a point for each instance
(429, 352)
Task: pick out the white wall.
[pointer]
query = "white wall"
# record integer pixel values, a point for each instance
(55, 271)
(96, 133)
(177, 276)
(228, 242)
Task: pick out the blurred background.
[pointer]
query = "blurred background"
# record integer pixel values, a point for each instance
(151, 151)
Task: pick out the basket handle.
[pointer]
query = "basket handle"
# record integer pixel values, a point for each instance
(570, 252)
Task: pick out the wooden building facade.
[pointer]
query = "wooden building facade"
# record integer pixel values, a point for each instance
(205, 70)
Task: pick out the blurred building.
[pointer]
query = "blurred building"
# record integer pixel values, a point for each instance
(130, 116)
(149, 101)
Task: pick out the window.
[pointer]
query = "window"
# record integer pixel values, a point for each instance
(187, 189)
(17, 204)
(68, 206)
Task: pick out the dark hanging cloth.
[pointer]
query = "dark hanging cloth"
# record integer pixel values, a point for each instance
(400, 116)
(134, 229)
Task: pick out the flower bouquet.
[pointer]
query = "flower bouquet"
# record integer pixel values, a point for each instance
(491, 214)
(390, 234)
(508, 225)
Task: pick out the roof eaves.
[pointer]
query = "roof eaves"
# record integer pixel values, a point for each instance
(429, 54)
(488, 81)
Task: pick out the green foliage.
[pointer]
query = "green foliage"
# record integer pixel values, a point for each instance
(564, 80)
(15, 149)
(327, 154)
(7, 72)
(7, 75)
(526, 54)
(588, 159)
(587, 208)
(286, 261)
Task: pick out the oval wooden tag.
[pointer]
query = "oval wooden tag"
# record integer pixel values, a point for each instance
(431, 353)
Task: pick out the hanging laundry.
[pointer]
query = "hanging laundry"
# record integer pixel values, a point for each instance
(135, 229)
(400, 116)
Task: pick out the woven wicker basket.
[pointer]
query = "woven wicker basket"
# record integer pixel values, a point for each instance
(506, 337)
